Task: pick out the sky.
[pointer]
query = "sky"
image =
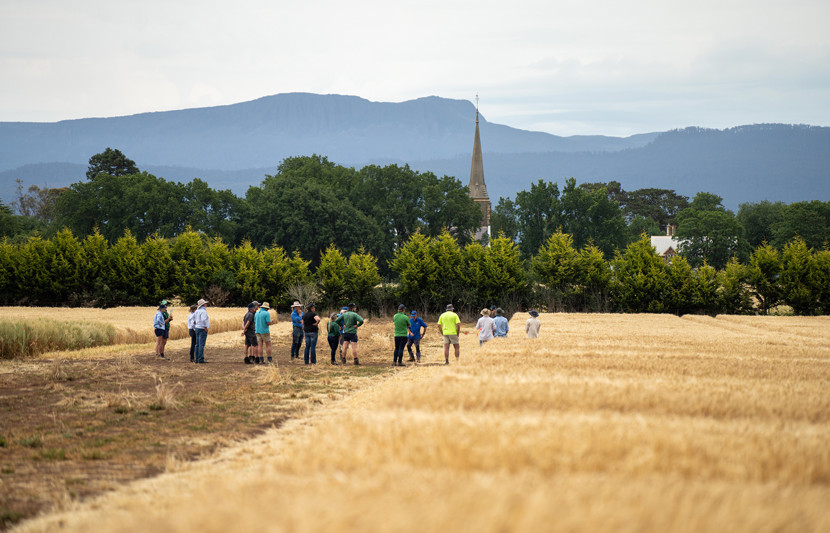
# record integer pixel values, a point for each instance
(569, 67)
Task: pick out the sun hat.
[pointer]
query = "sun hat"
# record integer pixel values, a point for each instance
(534, 313)
(265, 305)
(296, 304)
(251, 305)
(164, 303)
(201, 302)
(450, 307)
(485, 312)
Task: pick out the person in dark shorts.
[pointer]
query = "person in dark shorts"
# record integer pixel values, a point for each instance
(350, 321)
(160, 322)
(333, 337)
(311, 321)
(249, 332)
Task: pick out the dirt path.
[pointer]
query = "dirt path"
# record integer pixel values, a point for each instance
(74, 427)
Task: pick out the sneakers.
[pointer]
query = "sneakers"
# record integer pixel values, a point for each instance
(446, 361)
(356, 362)
(342, 360)
(411, 358)
(247, 360)
(270, 359)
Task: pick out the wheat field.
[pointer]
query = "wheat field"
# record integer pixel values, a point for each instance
(604, 423)
(134, 325)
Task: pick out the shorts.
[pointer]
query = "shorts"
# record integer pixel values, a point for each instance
(263, 338)
(349, 337)
(450, 339)
(250, 339)
(162, 332)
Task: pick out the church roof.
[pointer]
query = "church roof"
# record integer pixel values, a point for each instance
(478, 190)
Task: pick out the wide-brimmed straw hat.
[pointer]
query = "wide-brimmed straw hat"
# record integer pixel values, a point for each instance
(266, 306)
(296, 304)
(485, 312)
(201, 302)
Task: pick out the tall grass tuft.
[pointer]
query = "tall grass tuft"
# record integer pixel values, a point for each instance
(20, 339)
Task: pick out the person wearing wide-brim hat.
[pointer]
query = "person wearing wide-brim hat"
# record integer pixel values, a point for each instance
(160, 322)
(262, 324)
(201, 325)
(249, 333)
(485, 327)
(296, 329)
(533, 325)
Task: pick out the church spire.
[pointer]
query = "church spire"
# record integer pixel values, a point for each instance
(478, 189)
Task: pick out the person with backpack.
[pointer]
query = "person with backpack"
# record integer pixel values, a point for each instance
(350, 321)
(333, 329)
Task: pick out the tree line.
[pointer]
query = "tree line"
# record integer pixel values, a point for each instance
(428, 273)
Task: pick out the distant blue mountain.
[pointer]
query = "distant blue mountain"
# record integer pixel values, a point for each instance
(233, 147)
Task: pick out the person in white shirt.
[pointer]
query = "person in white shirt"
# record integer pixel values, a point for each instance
(201, 324)
(485, 327)
(533, 325)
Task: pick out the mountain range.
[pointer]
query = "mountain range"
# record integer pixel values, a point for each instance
(234, 146)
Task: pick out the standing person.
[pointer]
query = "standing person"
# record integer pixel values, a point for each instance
(401, 322)
(296, 329)
(333, 336)
(262, 325)
(162, 332)
(502, 327)
(450, 328)
(350, 321)
(311, 321)
(485, 326)
(343, 309)
(533, 325)
(168, 317)
(249, 332)
(192, 331)
(201, 323)
(415, 334)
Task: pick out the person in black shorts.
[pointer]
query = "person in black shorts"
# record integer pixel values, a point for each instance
(249, 332)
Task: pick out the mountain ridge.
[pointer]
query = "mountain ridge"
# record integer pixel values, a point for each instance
(228, 145)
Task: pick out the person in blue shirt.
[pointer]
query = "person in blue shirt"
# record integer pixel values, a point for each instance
(297, 333)
(415, 334)
(160, 322)
(501, 324)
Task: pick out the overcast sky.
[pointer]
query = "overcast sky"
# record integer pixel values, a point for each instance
(614, 67)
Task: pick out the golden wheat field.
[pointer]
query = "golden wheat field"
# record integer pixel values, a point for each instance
(604, 423)
(134, 325)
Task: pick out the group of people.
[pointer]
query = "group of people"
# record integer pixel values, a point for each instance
(341, 331)
(492, 327)
(198, 324)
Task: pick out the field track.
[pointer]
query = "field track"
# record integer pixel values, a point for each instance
(605, 423)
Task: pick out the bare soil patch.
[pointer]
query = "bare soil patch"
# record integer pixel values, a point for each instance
(73, 428)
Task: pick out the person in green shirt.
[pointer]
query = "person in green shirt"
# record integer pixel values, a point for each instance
(350, 321)
(401, 322)
(333, 336)
(450, 328)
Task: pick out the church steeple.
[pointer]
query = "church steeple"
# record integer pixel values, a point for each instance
(478, 189)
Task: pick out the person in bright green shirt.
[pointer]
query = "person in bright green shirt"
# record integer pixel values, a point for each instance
(350, 321)
(401, 322)
(450, 328)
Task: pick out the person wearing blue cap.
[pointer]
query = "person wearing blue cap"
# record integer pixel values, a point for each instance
(415, 334)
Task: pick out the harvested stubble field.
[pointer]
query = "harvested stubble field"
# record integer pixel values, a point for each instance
(607, 422)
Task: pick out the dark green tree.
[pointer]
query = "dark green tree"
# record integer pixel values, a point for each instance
(758, 221)
(808, 220)
(639, 279)
(504, 219)
(539, 215)
(592, 217)
(796, 273)
(763, 276)
(709, 232)
(111, 161)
